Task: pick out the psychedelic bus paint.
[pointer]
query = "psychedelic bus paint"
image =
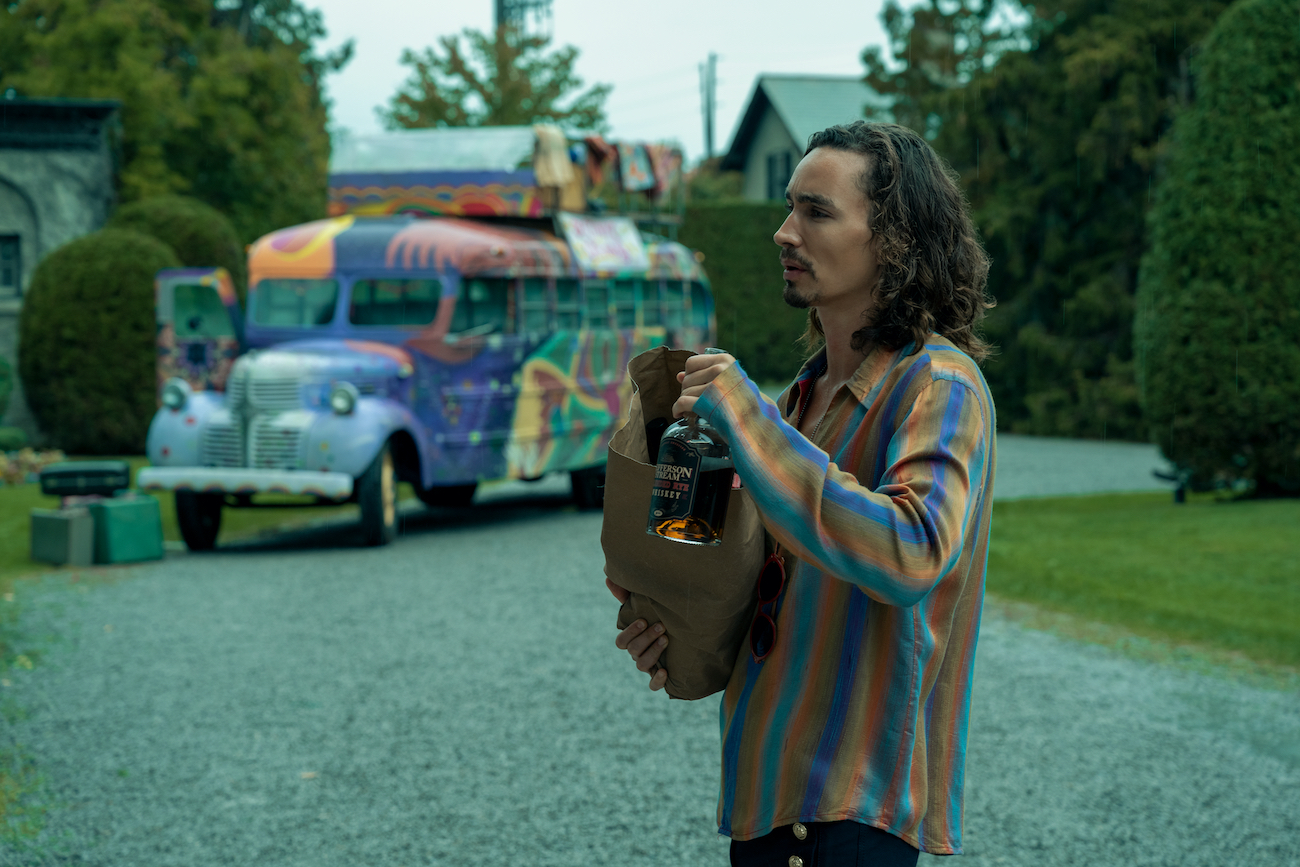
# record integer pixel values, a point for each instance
(474, 351)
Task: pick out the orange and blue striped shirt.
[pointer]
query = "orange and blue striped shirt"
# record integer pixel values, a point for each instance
(860, 710)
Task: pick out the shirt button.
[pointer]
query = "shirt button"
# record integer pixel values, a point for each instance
(796, 861)
(800, 831)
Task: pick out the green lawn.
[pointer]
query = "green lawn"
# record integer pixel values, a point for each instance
(1223, 575)
(17, 501)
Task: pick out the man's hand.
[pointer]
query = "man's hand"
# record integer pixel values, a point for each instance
(645, 646)
(700, 371)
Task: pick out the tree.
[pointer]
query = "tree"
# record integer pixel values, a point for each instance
(1056, 125)
(1219, 301)
(198, 234)
(707, 182)
(505, 79)
(218, 101)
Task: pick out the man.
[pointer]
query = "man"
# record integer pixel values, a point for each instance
(844, 742)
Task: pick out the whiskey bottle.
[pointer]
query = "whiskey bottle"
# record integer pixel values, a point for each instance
(693, 478)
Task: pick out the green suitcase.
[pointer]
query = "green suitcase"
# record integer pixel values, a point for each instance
(128, 528)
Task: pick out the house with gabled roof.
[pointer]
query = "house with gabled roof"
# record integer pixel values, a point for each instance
(782, 111)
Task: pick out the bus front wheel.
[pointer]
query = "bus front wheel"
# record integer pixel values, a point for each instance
(199, 517)
(377, 496)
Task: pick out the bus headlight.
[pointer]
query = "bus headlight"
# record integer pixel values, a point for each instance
(343, 398)
(176, 393)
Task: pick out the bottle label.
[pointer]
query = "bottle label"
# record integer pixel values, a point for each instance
(676, 477)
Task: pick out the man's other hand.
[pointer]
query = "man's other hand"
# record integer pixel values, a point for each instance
(645, 646)
(700, 371)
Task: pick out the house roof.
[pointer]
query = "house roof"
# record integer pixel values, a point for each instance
(805, 104)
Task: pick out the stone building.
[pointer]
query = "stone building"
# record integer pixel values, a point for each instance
(56, 183)
(781, 113)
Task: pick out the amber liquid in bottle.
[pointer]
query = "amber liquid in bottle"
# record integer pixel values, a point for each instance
(693, 478)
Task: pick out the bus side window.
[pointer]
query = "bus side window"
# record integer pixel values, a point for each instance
(597, 304)
(488, 302)
(674, 305)
(482, 305)
(648, 299)
(568, 312)
(460, 315)
(535, 310)
(625, 303)
(394, 302)
(700, 306)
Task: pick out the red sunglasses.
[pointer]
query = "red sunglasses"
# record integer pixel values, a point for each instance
(771, 580)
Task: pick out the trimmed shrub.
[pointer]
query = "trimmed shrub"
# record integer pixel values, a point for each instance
(740, 257)
(12, 439)
(199, 234)
(86, 341)
(6, 385)
(1218, 320)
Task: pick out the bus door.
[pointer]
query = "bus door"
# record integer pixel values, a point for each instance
(475, 387)
(199, 326)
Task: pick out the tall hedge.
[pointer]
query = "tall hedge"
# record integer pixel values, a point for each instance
(740, 257)
(199, 234)
(6, 385)
(1218, 320)
(86, 341)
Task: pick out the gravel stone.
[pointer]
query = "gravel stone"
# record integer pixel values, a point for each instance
(456, 698)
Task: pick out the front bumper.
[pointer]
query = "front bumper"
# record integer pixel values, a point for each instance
(223, 480)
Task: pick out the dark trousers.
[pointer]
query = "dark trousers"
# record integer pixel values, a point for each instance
(827, 844)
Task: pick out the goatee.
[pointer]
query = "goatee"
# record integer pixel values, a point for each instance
(792, 296)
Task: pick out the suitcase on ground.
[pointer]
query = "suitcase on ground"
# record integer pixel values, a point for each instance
(128, 528)
(85, 478)
(64, 537)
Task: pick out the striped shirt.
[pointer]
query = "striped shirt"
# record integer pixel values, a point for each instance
(860, 710)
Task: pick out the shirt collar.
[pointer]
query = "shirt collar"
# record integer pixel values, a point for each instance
(877, 364)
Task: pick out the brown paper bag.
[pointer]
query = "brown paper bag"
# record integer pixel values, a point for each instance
(703, 595)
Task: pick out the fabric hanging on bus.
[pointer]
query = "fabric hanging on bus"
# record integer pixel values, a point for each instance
(666, 161)
(634, 169)
(599, 153)
(551, 159)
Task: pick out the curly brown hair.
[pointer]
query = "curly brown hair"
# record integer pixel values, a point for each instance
(933, 269)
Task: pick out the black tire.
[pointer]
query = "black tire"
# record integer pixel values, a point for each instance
(377, 495)
(589, 487)
(448, 496)
(199, 516)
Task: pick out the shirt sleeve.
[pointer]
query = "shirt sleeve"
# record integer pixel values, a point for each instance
(896, 541)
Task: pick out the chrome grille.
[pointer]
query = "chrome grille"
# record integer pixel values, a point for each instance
(221, 446)
(274, 446)
(235, 387)
(275, 394)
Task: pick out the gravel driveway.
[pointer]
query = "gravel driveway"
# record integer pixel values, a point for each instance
(455, 698)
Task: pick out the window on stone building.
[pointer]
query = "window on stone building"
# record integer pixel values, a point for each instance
(11, 272)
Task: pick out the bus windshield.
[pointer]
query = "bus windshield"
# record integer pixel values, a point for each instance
(294, 302)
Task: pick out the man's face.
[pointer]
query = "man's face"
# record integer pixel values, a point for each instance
(826, 251)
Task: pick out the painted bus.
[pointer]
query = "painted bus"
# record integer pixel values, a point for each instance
(440, 351)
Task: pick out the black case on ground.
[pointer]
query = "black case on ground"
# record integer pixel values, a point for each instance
(85, 478)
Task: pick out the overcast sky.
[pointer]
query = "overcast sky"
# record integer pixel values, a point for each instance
(649, 52)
